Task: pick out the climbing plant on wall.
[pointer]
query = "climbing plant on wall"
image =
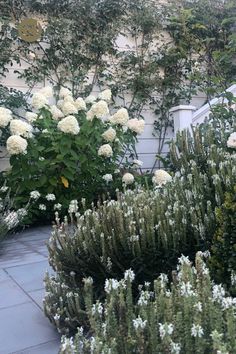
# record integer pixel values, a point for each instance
(159, 67)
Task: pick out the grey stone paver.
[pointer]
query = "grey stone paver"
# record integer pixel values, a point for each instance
(29, 276)
(37, 296)
(11, 294)
(24, 329)
(47, 348)
(24, 326)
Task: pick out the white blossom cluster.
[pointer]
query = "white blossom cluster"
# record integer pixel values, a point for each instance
(165, 329)
(34, 195)
(128, 178)
(99, 110)
(231, 142)
(105, 150)
(111, 284)
(197, 331)
(19, 127)
(16, 145)
(97, 309)
(109, 135)
(69, 125)
(138, 323)
(5, 117)
(136, 125)
(161, 177)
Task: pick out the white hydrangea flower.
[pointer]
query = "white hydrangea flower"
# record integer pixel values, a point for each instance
(105, 95)
(107, 177)
(105, 150)
(42, 207)
(197, 331)
(161, 177)
(99, 109)
(39, 101)
(136, 125)
(128, 178)
(31, 116)
(60, 103)
(57, 206)
(34, 195)
(56, 112)
(64, 92)
(138, 323)
(129, 274)
(90, 115)
(231, 142)
(16, 145)
(19, 127)
(90, 99)
(5, 117)
(120, 117)
(109, 135)
(69, 125)
(80, 104)
(69, 108)
(50, 196)
(46, 91)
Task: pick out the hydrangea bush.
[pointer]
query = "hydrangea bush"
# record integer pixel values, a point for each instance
(73, 149)
(191, 315)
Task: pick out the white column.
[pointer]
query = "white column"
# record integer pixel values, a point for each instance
(183, 117)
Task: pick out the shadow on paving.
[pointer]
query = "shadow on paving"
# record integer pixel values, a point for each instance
(24, 329)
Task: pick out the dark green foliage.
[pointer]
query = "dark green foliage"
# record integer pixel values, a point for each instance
(223, 250)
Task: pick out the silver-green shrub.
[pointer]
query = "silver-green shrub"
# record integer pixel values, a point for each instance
(143, 230)
(191, 315)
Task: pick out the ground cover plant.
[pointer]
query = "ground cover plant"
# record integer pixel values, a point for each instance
(76, 149)
(189, 315)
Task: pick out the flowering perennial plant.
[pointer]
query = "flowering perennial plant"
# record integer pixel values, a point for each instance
(167, 323)
(9, 218)
(66, 149)
(143, 230)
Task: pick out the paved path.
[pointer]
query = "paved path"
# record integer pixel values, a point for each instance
(24, 329)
